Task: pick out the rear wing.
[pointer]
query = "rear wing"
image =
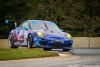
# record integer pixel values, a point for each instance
(14, 21)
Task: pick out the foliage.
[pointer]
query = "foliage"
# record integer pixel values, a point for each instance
(79, 18)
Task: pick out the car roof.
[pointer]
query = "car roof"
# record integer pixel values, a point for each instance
(38, 21)
(42, 21)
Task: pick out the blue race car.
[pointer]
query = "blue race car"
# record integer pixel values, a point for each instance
(39, 33)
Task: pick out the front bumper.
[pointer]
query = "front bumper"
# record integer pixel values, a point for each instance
(50, 43)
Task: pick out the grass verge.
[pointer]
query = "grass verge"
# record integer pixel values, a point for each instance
(14, 54)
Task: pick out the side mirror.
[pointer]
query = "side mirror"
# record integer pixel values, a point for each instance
(61, 30)
(26, 27)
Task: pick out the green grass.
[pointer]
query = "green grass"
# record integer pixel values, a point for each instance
(14, 54)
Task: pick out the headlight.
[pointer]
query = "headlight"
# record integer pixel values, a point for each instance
(40, 34)
(69, 36)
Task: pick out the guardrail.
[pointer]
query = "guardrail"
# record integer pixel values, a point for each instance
(78, 42)
(86, 42)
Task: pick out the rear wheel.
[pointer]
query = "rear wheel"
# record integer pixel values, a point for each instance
(30, 41)
(66, 49)
(11, 41)
(47, 49)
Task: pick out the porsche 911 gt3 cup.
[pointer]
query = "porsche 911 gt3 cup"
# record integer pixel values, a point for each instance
(39, 33)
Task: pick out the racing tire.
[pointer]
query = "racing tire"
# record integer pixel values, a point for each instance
(47, 49)
(30, 41)
(11, 41)
(66, 49)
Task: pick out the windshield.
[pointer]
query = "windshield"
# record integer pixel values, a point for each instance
(37, 26)
(44, 25)
(52, 27)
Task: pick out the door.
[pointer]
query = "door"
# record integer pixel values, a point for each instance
(21, 32)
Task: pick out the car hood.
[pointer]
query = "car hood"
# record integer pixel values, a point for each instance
(52, 34)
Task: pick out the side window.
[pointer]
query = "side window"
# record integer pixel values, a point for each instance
(24, 24)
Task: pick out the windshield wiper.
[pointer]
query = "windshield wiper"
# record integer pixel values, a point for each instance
(46, 26)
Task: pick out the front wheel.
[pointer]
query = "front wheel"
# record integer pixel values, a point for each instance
(30, 41)
(11, 41)
(66, 49)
